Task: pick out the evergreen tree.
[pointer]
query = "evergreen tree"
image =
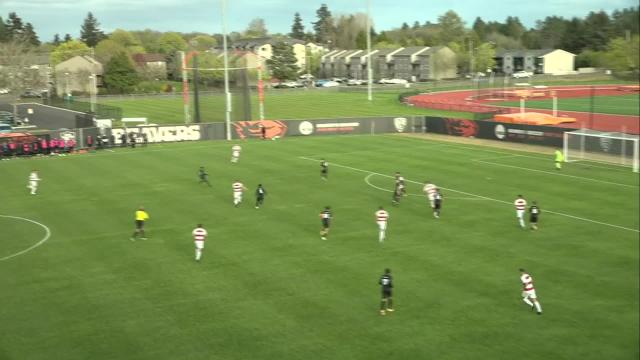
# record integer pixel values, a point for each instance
(404, 26)
(90, 32)
(119, 74)
(14, 26)
(324, 26)
(480, 27)
(67, 38)
(597, 30)
(361, 40)
(56, 40)
(30, 35)
(416, 25)
(297, 29)
(3, 31)
(283, 62)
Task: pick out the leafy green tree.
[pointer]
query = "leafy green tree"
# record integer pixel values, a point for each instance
(324, 28)
(573, 38)
(56, 40)
(361, 40)
(67, 38)
(203, 42)
(597, 30)
(124, 38)
(623, 55)
(480, 27)
(4, 35)
(513, 28)
(171, 42)
(256, 29)
(626, 20)
(119, 74)
(106, 49)
(67, 50)
(404, 26)
(283, 62)
(149, 39)
(590, 58)
(484, 57)
(551, 30)
(90, 32)
(297, 29)
(451, 26)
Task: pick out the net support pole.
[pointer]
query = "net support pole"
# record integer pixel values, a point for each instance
(565, 145)
(260, 90)
(227, 113)
(185, 87)
(369, 70)
(555, 103)
(636, 156)
(522, 107)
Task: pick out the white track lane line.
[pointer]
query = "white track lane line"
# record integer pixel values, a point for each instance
(484, 197)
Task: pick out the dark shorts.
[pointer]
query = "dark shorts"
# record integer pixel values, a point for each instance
(139, 224)
(325, 224)
(324, 171)
(386, 293)
(533, 218)
(437, 205)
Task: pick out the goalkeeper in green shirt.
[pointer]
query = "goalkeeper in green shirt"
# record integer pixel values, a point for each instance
(559, 159)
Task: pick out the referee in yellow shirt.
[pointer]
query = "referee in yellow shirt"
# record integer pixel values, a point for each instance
(141, 217)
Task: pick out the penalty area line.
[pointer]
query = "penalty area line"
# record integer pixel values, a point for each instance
(484, 197)
(368, 181)
(44, 239)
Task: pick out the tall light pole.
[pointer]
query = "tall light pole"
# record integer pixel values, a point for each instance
(369, 70)
(227, 94)
(94, 92)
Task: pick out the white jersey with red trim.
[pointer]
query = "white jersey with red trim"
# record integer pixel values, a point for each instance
(527, 282)
(430, 190)
(199, 234)
(382, 216)
(238, 187)
(236, 148)
(520, 204)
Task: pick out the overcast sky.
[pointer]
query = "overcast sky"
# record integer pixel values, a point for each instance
(65, 16)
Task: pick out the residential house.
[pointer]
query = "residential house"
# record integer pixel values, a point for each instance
(438, 62)
(263, 47)
(152, 64)
(78, 74)
(383, 63)
(327, 63)
(342, 63)
(544, 61)
(404, 60)
(358, 64)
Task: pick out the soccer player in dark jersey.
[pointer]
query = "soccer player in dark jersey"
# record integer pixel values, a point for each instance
(400, 183)
(203, 175)
(325, 219)
(437, 203)
(386, 282)
(397, 194)
(260, 193)
(534, 212)
(324, 169)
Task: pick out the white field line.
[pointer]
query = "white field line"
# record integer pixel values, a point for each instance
(556, 174)
(613, 167)
(485, 197)
(366, 179)
(496, 157)
(45, 238)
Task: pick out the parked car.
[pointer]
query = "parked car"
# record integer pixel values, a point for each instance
(288, 85)
(339, 80)
(522, 74)
(306, 77)
(329, 84)
(393, 81)
(5, 128)
(31, 94)
(4, 91)
(353, 82)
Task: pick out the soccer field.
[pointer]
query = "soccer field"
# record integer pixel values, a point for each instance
(280, 105)
(269, 288)
(622, 105)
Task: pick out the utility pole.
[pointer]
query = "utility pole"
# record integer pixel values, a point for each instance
(227, 113)
(369, 70)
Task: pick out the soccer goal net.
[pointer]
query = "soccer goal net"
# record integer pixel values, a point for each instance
(609, 147)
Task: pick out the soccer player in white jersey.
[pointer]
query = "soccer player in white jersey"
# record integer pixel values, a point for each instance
(238, 189)
(33, 182)
(199, 236)
(521, 206)
(235, 153)
(430, 189)
(382, 217)
(529, 292)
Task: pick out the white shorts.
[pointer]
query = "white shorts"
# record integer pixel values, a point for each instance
(235, 154)
(529, 294)
(33, 184)
(520, 214)
(382, 225)
(431, 201)
(199, 244)
(237, 196)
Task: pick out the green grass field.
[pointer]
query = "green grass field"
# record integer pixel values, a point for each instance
(623, 104)
(281, 105)
(269, 288)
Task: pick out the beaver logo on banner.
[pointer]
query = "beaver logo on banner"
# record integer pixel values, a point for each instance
(400, 123)
(252, 129)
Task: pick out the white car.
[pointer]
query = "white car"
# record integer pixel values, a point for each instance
(394, 81)
(352, 82)
(521, 74)
(4, 91)
(330, 84)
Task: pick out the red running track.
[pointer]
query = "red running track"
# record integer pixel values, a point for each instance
(464, 101)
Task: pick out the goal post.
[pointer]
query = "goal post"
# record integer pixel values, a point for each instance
(608, 147)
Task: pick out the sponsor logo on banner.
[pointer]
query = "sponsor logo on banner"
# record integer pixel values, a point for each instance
(162, 133)
(305, 128)
(605, 144)
(246, 129)
(400, 123)
(500, 131)
(337, 127)
(461, 127)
